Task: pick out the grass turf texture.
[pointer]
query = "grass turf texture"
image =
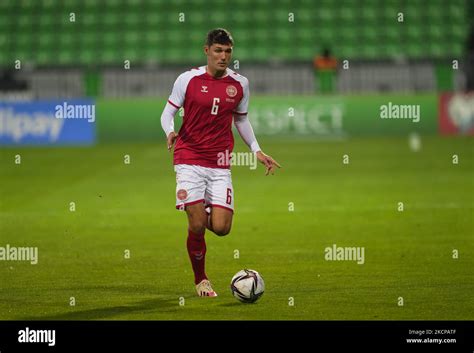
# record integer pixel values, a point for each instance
(408, 254)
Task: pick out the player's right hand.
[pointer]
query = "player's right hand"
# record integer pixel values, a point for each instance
(171, 140)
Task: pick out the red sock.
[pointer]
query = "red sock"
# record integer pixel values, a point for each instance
(197, 254)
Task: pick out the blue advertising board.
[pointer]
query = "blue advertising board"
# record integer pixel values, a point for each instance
(51, 122)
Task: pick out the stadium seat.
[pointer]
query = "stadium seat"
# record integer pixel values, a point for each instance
(415, 51)
(150, 29)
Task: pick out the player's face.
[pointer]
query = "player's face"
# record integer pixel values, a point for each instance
(218, 56)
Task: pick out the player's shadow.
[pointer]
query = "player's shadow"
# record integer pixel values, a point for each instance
(147, 308)
(235, 304)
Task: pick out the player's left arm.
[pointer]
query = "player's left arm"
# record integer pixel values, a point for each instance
(245, 130)
(242, 123)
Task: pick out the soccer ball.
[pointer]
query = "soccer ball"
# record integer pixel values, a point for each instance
(247, 286)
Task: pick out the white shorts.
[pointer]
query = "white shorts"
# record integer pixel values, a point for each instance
(195, 184)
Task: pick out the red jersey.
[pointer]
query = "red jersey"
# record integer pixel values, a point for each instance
(209, 104)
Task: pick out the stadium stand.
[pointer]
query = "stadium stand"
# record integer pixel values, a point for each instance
(108, 32)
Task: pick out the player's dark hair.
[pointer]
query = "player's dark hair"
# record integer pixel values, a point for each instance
(219, 36)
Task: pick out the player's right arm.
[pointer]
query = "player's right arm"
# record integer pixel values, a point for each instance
(175, 101)
(167, 123)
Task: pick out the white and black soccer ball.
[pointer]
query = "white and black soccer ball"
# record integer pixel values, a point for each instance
(247, 286)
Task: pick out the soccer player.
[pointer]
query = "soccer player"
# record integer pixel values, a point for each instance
(212, 96)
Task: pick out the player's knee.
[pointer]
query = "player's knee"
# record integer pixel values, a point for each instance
(222, 230)
(197, 222)
(197, 227)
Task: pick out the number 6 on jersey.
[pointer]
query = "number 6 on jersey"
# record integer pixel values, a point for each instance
(215, 107)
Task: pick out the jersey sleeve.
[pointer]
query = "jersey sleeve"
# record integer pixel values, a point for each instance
(176, 98)
(245, 130)
(167, 118)
(242, 108)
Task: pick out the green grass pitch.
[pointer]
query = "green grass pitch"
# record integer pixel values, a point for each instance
(121, 207)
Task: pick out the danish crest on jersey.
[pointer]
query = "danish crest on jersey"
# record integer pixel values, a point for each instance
(182, 194)
(231, 91)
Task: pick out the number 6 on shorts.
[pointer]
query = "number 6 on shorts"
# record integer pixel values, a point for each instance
(229, 196)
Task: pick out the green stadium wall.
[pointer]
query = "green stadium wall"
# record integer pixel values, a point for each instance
(321, 116)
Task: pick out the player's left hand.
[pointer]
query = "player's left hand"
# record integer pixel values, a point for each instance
(268, 161)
